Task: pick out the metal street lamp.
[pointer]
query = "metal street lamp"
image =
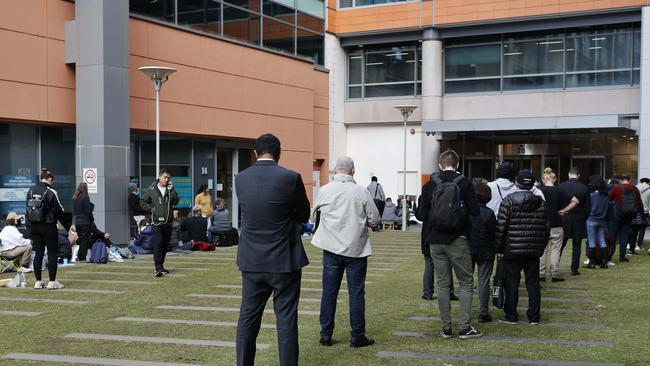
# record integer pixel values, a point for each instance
(406, 111)
(157, 74)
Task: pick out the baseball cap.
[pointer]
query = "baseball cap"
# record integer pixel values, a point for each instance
(12, 215)
(526, 179)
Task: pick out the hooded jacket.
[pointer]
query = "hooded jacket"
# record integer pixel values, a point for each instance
(51, 204)
(501, 188)
(159, 208)
(220, 219)
(390, 213)
(521, 226)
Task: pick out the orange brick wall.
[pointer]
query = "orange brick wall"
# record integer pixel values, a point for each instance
(458, 11)
(392, 16)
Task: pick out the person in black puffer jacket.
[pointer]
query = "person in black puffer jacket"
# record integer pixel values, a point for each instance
(481, 246)
(521, 239)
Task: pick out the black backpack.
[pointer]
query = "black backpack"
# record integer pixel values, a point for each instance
(629, 206)
(36, 208)
(448, 213)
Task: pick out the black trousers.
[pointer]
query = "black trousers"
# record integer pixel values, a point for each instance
(45, 235)
(160, 235)
(513, 269)
(83, 230)
(257, 287)
(575, 227)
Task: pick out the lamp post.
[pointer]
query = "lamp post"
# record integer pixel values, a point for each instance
(157, 74)
(406, 111)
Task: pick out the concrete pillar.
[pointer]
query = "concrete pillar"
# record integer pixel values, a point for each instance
(102, 98)
(644, 115)
(431, 97)
(335, 62)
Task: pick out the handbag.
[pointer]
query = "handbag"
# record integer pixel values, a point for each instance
(639, 220)
(498, 292)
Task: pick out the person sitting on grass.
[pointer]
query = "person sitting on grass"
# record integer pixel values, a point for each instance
(195, 228)
(222, 224)
(13, 244)
(144, 243)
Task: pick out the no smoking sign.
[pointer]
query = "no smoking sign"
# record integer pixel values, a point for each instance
(89, 176)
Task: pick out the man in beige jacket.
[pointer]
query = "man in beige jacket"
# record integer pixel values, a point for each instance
(344, 211)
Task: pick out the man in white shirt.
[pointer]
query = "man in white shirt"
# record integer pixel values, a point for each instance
(343, 211)
(13, 243)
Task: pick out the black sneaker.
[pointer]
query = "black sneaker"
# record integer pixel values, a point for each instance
(469, 333)
(446, 333)
(484, 318)
(165, 271)
(428, 298)
(362, 342)
(505, 320)
(327, 342)
(158, 274)
(591, 265)
(623, 260)
(557, 279)
(453, 297)
(533, 322)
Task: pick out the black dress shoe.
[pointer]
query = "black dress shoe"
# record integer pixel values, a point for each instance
(362, 342)
(327, 342)
(428, 298)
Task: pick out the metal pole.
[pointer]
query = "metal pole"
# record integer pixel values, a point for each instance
(404, 208)
(157, 84)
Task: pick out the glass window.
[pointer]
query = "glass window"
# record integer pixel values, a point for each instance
(279, 11)
(355, 63)
(473, 61)
(313, 7)
(395, 65)
(472, 86)
(636, 53)
(345, 3)
(533, 57)
(278, 35)
(354, 92)
(57, 146)
(241, 25)
(598, 52)
(597, 79)
(375, 2)
(311, 45)
(194, 14)
(253, 5)
(533, 82)
(161, 9)
(389, 90)
(311, 22)
(18, 170)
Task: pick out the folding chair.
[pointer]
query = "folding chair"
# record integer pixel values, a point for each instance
(9, 263)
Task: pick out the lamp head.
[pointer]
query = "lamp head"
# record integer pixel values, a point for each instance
(406, 110)
(157, 73)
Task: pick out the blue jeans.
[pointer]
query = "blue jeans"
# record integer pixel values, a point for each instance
(355, 269)
(596, 233)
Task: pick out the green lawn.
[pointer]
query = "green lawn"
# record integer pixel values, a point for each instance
(619, 294)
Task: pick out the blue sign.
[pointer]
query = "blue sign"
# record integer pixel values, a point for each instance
(13, 191)
(183, 186)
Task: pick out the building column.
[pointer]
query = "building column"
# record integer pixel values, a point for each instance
(644, 115)
(102, 98)
(335, 62)
(431, 97)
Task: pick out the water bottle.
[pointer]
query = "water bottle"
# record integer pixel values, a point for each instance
(23, 279)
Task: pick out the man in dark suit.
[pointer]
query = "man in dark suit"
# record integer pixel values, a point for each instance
(273, 204)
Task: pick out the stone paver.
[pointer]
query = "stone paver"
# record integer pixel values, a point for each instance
(224, 309)
(49, 301)
(565, 342)
(546, 324)
(157, 340)
(497, 360)
(87, 360)
(186, 322)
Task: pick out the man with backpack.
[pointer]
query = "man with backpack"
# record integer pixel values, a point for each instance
(627, 201)
(448, 200)
(378, 195)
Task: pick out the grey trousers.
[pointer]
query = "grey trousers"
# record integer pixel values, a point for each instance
(427, 277)
(554, 250)
(454, 256)
(484, 274)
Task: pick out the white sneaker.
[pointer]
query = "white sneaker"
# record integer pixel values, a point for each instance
(54, 285)
(586, 261)
(25, 269)
(638, 249)
(610, 263)
(38, 285)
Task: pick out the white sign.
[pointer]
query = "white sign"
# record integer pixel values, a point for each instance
(210, 184)
(89, 176)
(219, 187)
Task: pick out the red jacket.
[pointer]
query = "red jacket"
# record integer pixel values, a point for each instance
(615, 193)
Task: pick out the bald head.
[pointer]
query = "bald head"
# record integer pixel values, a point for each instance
(344, 165)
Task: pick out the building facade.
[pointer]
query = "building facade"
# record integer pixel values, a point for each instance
(555, 83)
(73, 98)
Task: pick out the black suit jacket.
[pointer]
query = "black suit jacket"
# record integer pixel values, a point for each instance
(273, 206)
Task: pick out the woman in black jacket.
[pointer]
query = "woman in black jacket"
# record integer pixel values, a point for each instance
(43, 212)
(481, 245)
(83, 218)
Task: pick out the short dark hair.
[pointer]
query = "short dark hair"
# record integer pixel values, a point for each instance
(373, 179)
(483, 191)
(268, 144)
(645, 180)
(46, 174)
(574, 170)
(624, 177)
(11, 222)
(164, 171)
(449, 159)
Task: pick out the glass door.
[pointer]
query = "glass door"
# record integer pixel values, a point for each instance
(589, 165)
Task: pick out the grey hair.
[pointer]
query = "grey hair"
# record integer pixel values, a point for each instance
(344, 163)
